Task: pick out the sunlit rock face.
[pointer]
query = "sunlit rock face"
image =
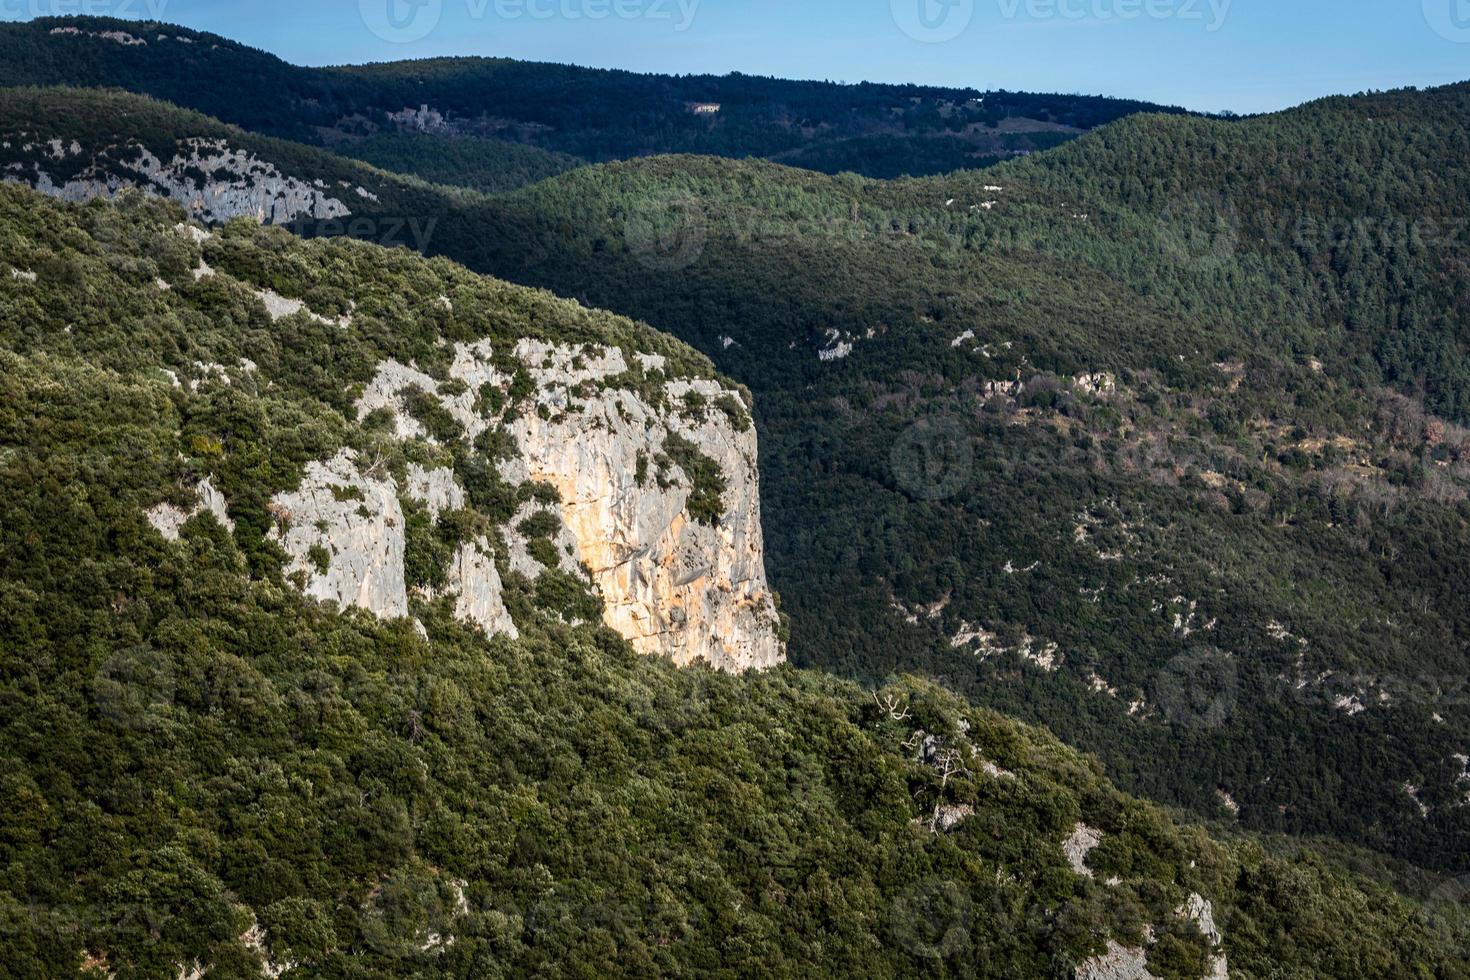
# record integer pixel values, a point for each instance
(685, 585)
(672, 585)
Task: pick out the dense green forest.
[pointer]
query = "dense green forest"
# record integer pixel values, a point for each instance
(1254, 467)
(206, 771)
(486, 165)
(1155, 438)
(581, 113)
(889, 157)
(1205, 425)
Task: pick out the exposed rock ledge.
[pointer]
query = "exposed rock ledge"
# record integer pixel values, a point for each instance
(1120, 962)
(344, 531)
(1084, 841)
(238, 185)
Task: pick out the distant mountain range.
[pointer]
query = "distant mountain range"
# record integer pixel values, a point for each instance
(557, 115)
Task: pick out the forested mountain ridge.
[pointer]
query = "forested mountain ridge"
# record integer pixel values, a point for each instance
(1122, 457)
(1358, 196)
(536, 119)
(210, 771)
(1172, 466)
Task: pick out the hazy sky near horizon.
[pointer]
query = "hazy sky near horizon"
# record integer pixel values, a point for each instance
(1243, 55)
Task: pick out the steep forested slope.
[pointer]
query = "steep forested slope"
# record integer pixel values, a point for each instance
(1165, 457)
(1147, 416)
(485, 165)
(1194, 425)
(1359, 197)
(207, 771)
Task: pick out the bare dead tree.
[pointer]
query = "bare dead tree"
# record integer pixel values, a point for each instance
(893, 706)
(380, 460)
(949, 764)
(282, 515)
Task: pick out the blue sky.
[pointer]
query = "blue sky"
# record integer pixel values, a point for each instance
(1244, 55)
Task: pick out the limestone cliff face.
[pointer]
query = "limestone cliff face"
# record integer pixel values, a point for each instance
(168, 519)
(233, 183)
(672, 585)
(689, 586)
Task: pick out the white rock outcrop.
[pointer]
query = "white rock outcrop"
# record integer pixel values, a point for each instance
(1083, 841)
(948, 817)
(278, 307)
(837, 347)
(237, 183)
(1118, 963)
(1121, 962)
(169, 520)
(353, 524)
(671, 584)
(435, 489)
(1201, 911)
(255, 940)
(564, 542)
(389, 390)
(118, 37)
